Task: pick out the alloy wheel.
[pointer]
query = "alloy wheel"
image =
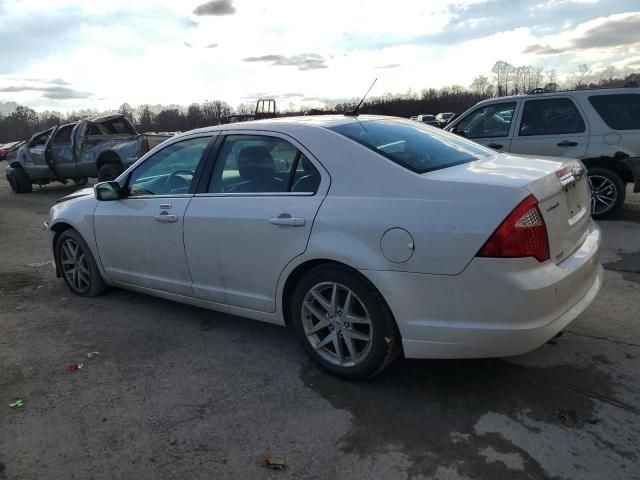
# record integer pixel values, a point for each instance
(75, 266)
(337, 324)
(603, 194)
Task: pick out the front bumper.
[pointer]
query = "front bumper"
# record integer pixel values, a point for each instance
(496, 307)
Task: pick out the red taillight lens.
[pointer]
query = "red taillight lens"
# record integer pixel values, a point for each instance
(522, 234)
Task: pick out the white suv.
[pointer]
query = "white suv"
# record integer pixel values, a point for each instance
(601, 127)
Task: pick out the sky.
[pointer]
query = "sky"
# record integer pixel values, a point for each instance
(77, 54)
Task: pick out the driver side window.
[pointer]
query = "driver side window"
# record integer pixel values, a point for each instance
(170, 171)
(489, 121)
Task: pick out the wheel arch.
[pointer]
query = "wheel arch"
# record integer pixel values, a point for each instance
(614, 163)
(108, 156)
(302, 269)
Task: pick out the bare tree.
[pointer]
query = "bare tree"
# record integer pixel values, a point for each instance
(502, 72)
(482, 86)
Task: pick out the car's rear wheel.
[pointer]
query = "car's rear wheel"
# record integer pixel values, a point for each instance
(343, 322)
(607, 192)
(19, 181)
(77, 265)
(109, 171)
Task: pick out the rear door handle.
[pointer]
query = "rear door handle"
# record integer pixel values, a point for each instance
(567, 143)
(495, 146)
(287, 220)
(166, 218)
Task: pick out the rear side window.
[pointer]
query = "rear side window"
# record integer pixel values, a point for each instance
(250, 164)
(414, 146)
(620, 112)
(553, 116)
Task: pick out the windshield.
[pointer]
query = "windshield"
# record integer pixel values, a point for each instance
(420, 149)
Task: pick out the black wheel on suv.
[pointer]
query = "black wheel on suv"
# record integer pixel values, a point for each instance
(343, 322)
(77, 265)
(109, 171)
(607, 192)
(19, 181)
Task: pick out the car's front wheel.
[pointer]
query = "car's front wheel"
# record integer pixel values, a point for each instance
(343, 322)
(19, 181)
(77, 265)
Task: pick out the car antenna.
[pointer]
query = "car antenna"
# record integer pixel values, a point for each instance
(354, 112)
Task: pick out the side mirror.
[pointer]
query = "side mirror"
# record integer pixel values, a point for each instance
(107, 191)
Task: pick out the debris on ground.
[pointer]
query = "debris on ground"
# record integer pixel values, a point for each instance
(271, 463)
(75, 366)
(19, 403)
(568, 417)
(90, 355)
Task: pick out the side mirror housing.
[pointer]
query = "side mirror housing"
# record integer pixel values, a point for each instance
(107, 191)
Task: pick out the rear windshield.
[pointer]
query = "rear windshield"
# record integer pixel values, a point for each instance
(418, 148)
(620, 112)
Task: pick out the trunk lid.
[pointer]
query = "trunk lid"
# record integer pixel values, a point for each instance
(564, 199)
(560, 185)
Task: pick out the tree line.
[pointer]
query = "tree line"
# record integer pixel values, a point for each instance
(505, 79)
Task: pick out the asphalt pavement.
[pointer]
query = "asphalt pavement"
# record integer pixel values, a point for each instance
(178, 392)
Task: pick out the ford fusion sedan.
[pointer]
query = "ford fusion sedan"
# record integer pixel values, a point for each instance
(371, 237)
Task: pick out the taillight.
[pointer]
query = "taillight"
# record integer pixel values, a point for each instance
(522, 234)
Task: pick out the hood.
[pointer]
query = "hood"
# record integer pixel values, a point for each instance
(80, 193)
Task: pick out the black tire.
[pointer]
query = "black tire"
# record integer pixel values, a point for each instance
(615, 186)
(81, 181)
(95, 284)
(385, 342)
(19, 181)
(109, 171)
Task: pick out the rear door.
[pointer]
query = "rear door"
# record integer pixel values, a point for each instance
(551, 127)
(490, 125)
(61, 152)
(252, 218)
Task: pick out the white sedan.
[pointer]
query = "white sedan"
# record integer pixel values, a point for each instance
(369, 236)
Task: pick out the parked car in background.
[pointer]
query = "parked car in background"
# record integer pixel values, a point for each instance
(601, 127)
(444, 118)
(428, 119)
(7, 148)
(100, 147)
(482, 254)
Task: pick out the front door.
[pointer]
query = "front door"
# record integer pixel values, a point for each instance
(33, 159)
(551, 127)
(140, 237)
(254, 217)
(490, 125)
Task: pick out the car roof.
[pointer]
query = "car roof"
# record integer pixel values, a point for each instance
(290, 124)
(586, 91)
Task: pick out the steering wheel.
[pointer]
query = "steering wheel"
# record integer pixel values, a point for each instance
(176, 182)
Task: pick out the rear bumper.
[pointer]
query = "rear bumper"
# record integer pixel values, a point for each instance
(496, 307)
(634, 165)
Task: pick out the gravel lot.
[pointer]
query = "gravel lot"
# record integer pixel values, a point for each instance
(183, 393)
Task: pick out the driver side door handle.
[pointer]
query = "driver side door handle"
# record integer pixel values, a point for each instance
(287, 220)
(567, 143)
(165, 218)
(495, 146)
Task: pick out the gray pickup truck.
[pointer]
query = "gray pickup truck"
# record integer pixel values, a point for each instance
(99, 147)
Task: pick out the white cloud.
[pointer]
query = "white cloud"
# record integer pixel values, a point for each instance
(136, 51)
